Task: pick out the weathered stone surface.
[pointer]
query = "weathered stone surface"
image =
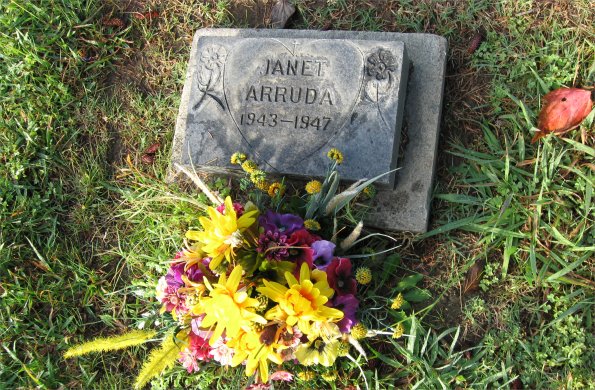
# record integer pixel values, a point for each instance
(404, 208)
(286, 102)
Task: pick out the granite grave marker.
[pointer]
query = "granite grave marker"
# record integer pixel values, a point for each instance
(285, 97)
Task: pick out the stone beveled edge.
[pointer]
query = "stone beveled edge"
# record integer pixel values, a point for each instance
(407, 207)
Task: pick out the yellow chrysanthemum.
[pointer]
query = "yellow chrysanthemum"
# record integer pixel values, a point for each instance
(335, 154)
(222, 233)
(306, 375)
(330, 376)
(318, 351)
(257, 175)
(301, 303)
(397, 302)
(238, 158)
(262, 185)
(399, 330)
(312, 225)
(313, 187)
(363, 275)
(359, 331)
(226, 308)
(276, 189)
(249, 348)
(249, 166)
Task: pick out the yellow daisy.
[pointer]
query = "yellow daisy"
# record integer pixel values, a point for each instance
(301, 303)
(226, 308)
(222, 232)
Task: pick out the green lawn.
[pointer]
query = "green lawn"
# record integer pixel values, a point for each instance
(87, 226)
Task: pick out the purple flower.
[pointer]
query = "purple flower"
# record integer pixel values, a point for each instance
(273, 244)
(340, 277)
(284, 223)
(194, 273)
(174, 275)
(348, 304)
(323, 253)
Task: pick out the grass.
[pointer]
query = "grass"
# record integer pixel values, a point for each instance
(86, 227)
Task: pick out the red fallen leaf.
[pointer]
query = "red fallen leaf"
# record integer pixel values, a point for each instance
(146, 15)
(152, 149)
(148, 159)
(475, 42)
(563, 110)
(516, 384)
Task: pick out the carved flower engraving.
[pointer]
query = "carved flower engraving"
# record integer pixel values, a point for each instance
(209, 72)
(213, 56)
(380, 64)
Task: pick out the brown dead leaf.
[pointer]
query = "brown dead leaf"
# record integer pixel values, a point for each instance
(148, 159)
(152, 149)
(146, 15)
(114, 22)
(563, 110)
(472, 278)
(281, 12)
(40, 265)
(475, 42)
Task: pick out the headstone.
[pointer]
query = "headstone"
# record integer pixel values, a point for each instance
(286, 101)
(285, 97)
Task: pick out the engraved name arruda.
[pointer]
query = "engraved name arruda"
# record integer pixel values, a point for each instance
(291, 67)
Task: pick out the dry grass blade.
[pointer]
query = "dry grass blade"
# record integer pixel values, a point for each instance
(200, 184)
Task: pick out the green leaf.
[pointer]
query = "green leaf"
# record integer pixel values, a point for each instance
(409, 281)
(417, 295)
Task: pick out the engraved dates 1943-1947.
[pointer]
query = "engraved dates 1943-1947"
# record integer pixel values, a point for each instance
(296, 121)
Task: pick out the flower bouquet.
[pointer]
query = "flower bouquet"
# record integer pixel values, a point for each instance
(264, 283)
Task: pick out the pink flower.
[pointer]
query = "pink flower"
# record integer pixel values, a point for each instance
(281, 376)
(288, 354)
(239, 209)
(290, 339)
(189, 361)
(198, 350)
(199, 345)
(259, 386)
(170, 297)
(221, 353)
(195, 323)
